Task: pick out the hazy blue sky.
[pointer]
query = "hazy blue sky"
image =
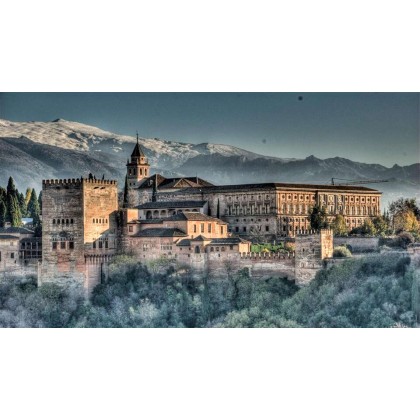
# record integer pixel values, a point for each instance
(366, 127)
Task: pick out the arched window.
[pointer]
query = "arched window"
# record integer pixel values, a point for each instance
(197, 249)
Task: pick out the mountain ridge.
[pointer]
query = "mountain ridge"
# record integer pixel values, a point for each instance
(62, 148)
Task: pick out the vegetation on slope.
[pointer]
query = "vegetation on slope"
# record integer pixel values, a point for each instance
(368, 292)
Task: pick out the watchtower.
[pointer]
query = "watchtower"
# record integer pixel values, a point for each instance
(78, 230)
(310, 251)
(138, 167)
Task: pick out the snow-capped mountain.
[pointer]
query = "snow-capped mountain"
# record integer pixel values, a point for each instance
(81, 137)
(32, 151)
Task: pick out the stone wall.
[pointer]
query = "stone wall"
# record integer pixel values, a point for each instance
(358, 244)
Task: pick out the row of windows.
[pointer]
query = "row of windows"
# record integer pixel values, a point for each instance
(62, 244)
(295, 197)
(102, 221)
(234, 211)
(209, 228)
(134, 172)
(216, 249)
(251, 198)
(244, 228)
(62, 221)
(100, 243)
(30, 245)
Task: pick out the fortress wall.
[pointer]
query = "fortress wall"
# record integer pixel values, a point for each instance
(358, 244)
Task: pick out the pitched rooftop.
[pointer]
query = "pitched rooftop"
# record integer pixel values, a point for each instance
(279, 186)
(160, 232)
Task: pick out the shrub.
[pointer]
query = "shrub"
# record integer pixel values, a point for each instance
(341, 251)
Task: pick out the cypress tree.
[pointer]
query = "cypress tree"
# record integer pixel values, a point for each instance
(3, 212)
(40, 202)
(33, 208)
(125, 198)
(3, 194)
(22, 204)
(15, 215)
(11, 188)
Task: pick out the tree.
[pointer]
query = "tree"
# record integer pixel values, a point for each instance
(14, 213)
(403, 205)
(405, 221)
(339, 226)
(15, 216)
(3, 194)
(367, 228)
(22, 204)
(318, 217)
(33, 208)
(40, 201)
(28, 194)
(405, 215)
(11, 188)
(381, 224)
(3, 213)
(125, 198)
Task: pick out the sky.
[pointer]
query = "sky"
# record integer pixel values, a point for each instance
(365, 127)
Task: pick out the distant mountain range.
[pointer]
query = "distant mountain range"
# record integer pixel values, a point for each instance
(32, 151)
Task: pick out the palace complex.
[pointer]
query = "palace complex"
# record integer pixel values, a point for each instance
(187, 222)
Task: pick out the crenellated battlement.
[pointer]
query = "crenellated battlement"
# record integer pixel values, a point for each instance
(77, 181)
(98, 258)
(267, 255)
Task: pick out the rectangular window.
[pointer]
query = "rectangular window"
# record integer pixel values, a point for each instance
(202, 227)
(71, 245)
(62, 245)
(94, 245)
(100, 244)
(267, 228)
(54, 245)
(106, 244)
(130, 228)
(195, 228)
(12, 255)
(209, 228)
(236, 229)
(221, 229)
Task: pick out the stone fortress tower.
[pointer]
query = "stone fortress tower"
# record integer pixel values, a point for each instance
(79, 230)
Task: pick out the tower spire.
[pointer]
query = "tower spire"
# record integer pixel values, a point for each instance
(137, 135)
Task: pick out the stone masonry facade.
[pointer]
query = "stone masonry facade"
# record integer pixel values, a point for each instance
(187, 222)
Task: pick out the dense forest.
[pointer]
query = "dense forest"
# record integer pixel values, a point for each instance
(15, 205)
(368, 292)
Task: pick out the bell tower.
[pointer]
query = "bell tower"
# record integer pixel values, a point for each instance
(138, 168)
